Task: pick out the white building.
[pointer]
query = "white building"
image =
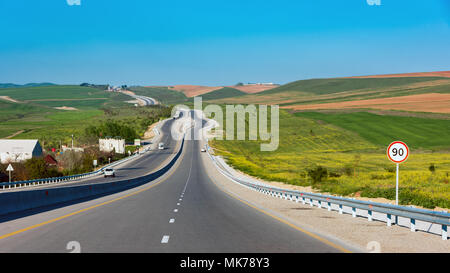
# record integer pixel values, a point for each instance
(110, 144)
(17, 150)
(75, 149)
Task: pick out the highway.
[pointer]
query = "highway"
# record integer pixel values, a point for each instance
(146, 100)
(144, 164)
(184, 211)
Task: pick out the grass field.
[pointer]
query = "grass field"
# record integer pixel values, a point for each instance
(380, 130)
(352, 148)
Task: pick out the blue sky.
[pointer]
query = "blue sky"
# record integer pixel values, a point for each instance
(218, 42)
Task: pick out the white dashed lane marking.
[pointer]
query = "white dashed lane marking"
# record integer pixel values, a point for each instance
(172, 221)
(165, 239)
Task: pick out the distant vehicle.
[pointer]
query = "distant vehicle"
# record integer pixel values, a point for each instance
(203, 150)
(161, 146)
(109, 172)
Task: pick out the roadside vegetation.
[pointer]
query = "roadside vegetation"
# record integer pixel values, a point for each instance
(345, 154)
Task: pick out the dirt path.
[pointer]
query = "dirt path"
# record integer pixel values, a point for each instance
(8, 99)
(15, 134)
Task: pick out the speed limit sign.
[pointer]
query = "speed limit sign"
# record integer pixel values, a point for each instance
(398, 152)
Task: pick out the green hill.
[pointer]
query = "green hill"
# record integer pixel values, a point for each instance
(226, 92)
(12, 85)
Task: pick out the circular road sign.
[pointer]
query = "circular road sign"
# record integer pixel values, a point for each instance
(397, 152)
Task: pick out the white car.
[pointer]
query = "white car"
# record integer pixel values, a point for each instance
(203, 150)
(161, 146)
(109, 172)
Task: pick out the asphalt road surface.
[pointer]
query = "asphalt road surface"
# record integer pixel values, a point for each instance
(183, 212)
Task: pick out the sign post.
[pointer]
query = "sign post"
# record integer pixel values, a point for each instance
(397, 152)
(10, 169)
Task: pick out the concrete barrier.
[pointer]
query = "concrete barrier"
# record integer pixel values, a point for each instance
(11, 202)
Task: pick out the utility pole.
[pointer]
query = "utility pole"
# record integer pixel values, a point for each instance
(72, 141)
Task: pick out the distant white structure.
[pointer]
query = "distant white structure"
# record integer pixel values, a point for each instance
(18, 150)
(110, 144)
(261, 83)
(75, 149)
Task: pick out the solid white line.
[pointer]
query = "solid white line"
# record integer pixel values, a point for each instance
(189, 176)
(165, 239)
(171, 220)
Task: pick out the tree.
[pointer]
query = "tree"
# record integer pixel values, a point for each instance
(38, 168)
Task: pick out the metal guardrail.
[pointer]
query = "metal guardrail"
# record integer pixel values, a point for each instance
(326, 201)
(52, 180)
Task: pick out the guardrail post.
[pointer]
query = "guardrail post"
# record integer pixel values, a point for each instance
(369, 217)
(413, 225)
(340, 209)
(297, 199)
(320, 204)
(389, 220)
(353, 212)
(329, 206)
(310, 202)
(444, 233)
(304, 200)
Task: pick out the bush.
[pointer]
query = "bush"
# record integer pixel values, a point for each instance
(348, 170)
(318, 174)
(432, 168)
(334, 174)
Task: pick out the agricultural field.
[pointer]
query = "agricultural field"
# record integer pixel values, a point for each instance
(352, 149)
(427, 93)
(53, 113)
